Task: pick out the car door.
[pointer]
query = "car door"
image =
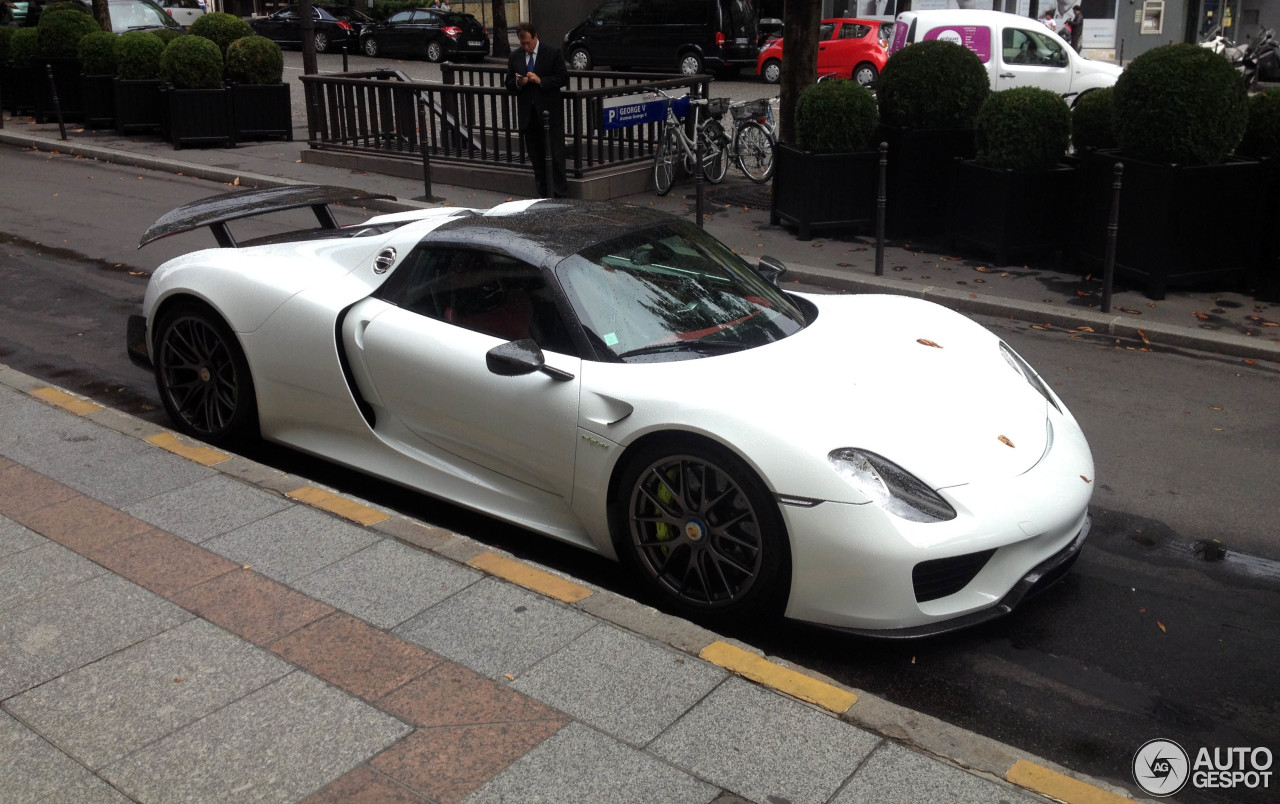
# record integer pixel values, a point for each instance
(826, 56)
(282, 26)
(1033, 58)
(418, 352)
(393, 36)
(844, 50)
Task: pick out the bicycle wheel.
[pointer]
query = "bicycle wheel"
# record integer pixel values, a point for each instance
(753, 151)
(664, 162)
(715, 151)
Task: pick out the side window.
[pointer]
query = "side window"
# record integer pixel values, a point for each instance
(480, 291)
(826, 30)
(853, 31)
(400, 17)
(608, 14)
(1032, 47)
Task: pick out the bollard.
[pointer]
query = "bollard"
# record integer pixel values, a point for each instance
(1113, 231)
(426, 157)
(57, 104)
(880, 207)
(344, 58)
(546, 152)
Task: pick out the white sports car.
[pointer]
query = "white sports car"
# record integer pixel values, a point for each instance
(619, 379)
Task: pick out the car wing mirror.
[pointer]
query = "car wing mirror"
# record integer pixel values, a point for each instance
(771, 269)
(517, 358)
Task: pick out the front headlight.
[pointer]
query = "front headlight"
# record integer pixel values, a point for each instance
(893, 488)
(1022, 367)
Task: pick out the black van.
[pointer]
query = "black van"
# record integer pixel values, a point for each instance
(691, 36)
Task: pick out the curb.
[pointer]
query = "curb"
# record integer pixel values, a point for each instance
(959, 747)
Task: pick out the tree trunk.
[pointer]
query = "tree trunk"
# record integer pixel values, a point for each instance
(501, 47)
(800, 64)
(102, 13)
(308, 34)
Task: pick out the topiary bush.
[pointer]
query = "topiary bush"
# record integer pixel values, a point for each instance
(835, 117)
(60, 32)
(1180, 104)
(97, 52)
(255, 60)
(167, 35)
(138, 55)
(1026, 129)
(6, 33)
(932, 84)
(1262, 134)
(220, 28)
(1093, 123)
(22, 46)
(69, 5)
(191, 62)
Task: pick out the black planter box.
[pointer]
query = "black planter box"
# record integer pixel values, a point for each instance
(66, 79)
(16, 91)
(920, 168)
(261, 111)
(99, 96)
(822, 191)
(1004, 212)
(1266, 269)
(1169, 233)
(139, 105)
(199, 117)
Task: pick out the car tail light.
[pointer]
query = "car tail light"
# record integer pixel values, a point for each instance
(720, 40)
(484, 31)
(169, 11)
(346, 26)
(452, 31)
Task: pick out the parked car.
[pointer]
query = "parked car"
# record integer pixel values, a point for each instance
(138, 15)
(429, 32)
(691, 36)
(13, 12)
(184, 12)
(847, 48)
(1017, 51)
(617, 378)
(335, 27)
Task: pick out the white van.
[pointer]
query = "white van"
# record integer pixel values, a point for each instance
(1017, 51)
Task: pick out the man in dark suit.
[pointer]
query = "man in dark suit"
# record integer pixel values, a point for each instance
(535, 75)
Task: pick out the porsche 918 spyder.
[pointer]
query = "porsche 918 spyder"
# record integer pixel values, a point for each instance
(619, 379)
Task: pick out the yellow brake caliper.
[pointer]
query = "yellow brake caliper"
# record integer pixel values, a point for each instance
(666, 532)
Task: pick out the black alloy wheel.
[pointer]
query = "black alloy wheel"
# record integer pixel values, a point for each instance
(203, 378)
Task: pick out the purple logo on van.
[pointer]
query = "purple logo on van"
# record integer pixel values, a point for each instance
(975, 37)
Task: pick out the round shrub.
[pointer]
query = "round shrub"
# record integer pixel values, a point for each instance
(932, 84)
(191, 62)
(69, 5)
(60, 32)
(1262, 135)
(22, 46)
(1093, 120)
(1180, 104)
(220, 28)
(254, 60)
(138, 55)
(97, 52)
(1025, 129)
(836, 116)
(167, 35)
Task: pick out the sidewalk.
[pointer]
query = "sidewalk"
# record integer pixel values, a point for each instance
(181, 624)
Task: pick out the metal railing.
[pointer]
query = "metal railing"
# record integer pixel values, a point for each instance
(469, 118)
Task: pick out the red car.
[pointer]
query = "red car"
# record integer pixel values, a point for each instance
(849, 48)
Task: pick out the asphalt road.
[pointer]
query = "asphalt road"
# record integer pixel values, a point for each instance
(1167, 627)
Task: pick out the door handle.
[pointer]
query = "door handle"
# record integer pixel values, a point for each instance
(1007, 75)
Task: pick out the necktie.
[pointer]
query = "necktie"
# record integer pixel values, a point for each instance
(529, 68)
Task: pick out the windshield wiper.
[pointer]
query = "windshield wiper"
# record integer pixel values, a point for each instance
(686, 346)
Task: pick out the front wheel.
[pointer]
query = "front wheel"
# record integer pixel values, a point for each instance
(435, 52)
(701, 528)
(753, 151)
(715, 151)
(580, 59)
(772, 71)
(689, 63)
(370, 47)
(203, 377)
(664, 162)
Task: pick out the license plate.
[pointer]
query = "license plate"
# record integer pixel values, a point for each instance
(741, 40)
(476, 42)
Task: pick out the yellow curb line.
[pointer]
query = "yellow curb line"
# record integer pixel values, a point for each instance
(336, 504)
(1056, 785)
(530, 578)
(66, 401)
(205, 456)
(753, 667)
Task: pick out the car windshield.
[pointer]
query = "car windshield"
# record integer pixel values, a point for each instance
(673, 292)
(132, 16)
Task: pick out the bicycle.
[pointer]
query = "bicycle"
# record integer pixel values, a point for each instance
(753, 138)
(674, 143)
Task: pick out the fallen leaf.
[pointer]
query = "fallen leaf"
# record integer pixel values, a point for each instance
(1004, 440)
(982, 269)
(1085, 479)
(1142, 334)
(1085, 329)
(1142, 611)
(1162, 628)
(1201, 316)
(1130, 312)
(236, 183)
(927, 342)
(1041, 327)
(177, 681)
(1084, 293)
(1214, 407)
(1248, 362)
(508, 677)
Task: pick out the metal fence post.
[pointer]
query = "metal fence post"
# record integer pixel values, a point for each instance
(1113, 230)
(57, 104)
(426, 156)
(549, 164)
(881, 200)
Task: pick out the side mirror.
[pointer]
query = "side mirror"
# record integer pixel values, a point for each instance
(517, 358)
(771, 269)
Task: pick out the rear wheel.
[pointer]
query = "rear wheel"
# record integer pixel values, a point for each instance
(322, 42)
(701, 528)
(370, 47)
(435, 52)
(664, 162)
(579, 59)
(772, 71)
(753, 151)
(203, 377)
(715, 151)
(865, 74)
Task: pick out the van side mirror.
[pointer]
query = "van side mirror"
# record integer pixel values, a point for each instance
(771, 269)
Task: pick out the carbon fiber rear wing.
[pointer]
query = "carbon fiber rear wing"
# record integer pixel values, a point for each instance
(216, 211)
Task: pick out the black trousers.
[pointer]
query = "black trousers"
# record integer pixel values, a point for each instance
(536, 145)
